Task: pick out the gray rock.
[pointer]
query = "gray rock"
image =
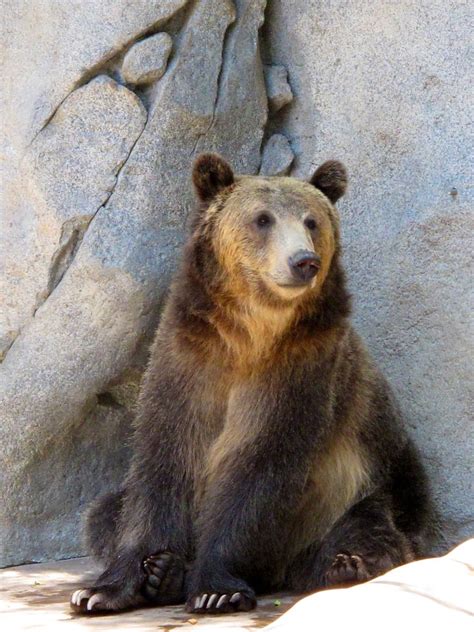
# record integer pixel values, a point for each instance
(72, 39)
(277, 156)
(240, 114)
(382, 87)
(79, 350)
(69, 171)
(278, 89)
(146, 61)
(72, 42)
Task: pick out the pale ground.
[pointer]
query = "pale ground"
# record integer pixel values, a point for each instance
(436, 594)
(36, 597)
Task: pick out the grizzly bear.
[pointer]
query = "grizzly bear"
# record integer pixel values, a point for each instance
(268, 450)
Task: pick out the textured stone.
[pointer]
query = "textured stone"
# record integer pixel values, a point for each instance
(48, 49)
(278, 89)
(236, 127)
(146, 61)
(432, 594)
(53, 45)
(78, 352)
(382, 87)
(67, 173)
(36, 597)
(277, 156)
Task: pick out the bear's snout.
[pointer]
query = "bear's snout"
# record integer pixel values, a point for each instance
(304, 265)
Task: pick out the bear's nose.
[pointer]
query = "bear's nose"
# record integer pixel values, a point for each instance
(304, 265)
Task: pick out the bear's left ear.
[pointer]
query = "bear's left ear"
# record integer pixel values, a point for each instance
(331, 179)
(211, 174)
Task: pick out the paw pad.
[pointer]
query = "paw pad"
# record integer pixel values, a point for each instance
(346, 569)
(164, 579)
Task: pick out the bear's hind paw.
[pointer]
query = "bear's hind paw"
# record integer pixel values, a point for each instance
(164, 583)
(351, 568)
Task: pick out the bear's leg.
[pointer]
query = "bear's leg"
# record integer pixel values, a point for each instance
(101, 525)
(158, 502)
(413, 509)
(363, 544)
(258, 471)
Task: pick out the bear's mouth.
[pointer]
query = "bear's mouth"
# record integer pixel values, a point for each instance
(292, 290)
(297, 285)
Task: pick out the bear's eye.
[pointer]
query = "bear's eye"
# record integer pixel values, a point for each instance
(310, 223)
(263, 220)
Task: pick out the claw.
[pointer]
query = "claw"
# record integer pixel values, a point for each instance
(212, 599)
(95, 599)
(235, 597)
(79, 595)
(203, 601)
(223, 599)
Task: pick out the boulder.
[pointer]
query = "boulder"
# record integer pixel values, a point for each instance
(278, 89)
(146, 61)
(277, 156)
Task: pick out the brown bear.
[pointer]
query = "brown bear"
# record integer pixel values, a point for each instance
(269, 452)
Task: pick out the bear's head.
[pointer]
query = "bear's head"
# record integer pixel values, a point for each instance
(273, 238)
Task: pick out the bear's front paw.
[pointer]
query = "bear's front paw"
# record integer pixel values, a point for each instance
(164, 583)
(221, 602)
(104, 599)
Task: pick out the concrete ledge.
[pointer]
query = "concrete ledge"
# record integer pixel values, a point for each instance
(434, 594)
(36, 597)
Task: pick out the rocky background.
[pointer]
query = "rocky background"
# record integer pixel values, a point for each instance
(104, 106)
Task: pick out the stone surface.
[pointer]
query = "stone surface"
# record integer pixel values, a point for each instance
(146, 60)
(79, 351)
(36, 597)
(278, 89)
(66, 174)
(277, 156)
(48, 49)
(237, 125)
(381, 86)
(54, 45)
(431, 594)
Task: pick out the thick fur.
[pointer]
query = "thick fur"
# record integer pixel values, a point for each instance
(269, 452)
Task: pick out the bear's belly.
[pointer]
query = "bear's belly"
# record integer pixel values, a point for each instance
(338, 478)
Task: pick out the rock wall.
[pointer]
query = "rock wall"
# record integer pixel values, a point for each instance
(382, 86)
(105, 104)
(96, 197)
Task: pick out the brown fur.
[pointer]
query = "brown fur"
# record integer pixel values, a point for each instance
(268, 450)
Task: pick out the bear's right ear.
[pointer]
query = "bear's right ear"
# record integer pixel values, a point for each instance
(211, 174)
